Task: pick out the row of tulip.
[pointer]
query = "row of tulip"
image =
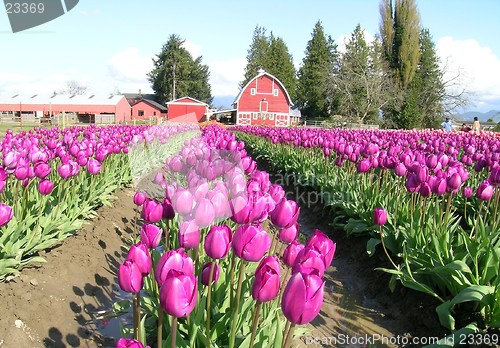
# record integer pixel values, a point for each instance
(51, 180)
(441, 193)
(218, 253)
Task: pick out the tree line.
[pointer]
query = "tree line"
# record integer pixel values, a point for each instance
(394, 80)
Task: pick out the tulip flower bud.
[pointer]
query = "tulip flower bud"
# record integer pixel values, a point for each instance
(291, 252)
(309, 261)
(285, 213)
(64, 171)
(189, 234)
(240, 209)
(182, 201)
(139, 253)
(380, 216)
(495, 176)
(6, 214)
(204, 213)
(130, 277)
(151, 235)
(250, 242)
(302, 298)
(218, 241)
(41, 170)
(152, 211)
(467, 192)
(484, 191)
(205, 273)
(266, 284)
(179, 293)
(324, 245)
(94, 166)
(287, 235)
(45, 187)
(139, 198)
(129, 343)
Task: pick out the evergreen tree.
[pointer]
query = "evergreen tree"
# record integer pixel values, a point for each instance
(319, 63)
(176, 74)
(280, 64)
(257, 55)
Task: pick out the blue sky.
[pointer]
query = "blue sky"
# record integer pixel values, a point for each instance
(108, 45)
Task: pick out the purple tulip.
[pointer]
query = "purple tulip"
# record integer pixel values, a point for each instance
(45, 187)
(21, 172)
(240, 209)
(130, 277)
(218, 241)
(152, 211)
(302, 298)
(250, 242)
(189, 234)
(485, 191)
(168, 209)
(2, 185)
(205, 273)
(151, 235)
(309, 261)
(6, 214)
(183, 201)
(467, 192)
(454, 181)
(94, 166)
(179, 293)
(291, 252)
(65, 171)
(129, 343)
(400, 169)
(173, 260)
(495, 176)
(380, 216)
(139, 198)
(41, 170)
(324, 245)
(139, 253)
(266, 284)
(363, 166)
(285, 213)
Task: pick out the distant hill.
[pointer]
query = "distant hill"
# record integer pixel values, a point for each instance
(482, 116)
(225, 101)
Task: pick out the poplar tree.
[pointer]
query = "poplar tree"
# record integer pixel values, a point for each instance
(319, 63)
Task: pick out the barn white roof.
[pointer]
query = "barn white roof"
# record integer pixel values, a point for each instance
(59, 99)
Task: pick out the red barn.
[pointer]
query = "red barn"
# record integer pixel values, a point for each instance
(145, 109)
(187, 109)
(265, 101)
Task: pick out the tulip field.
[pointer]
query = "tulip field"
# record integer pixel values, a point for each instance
(427, 200)
(216, 257)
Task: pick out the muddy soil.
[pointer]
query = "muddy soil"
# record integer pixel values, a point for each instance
(58, 303)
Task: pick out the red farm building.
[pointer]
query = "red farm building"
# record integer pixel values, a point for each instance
(265, 101)
(145, 109)
(187, 109)
(73, 108)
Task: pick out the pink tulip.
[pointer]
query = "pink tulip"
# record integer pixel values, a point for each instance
(309, 261)
(266, 284)
(204, 213)
(129, 343)
(218, 241)
(139, 198)
(302, 298)
(291, 252)
(2, 185)
(41, 170)
(151, 235)
(495, 176)
(130, 277)
(45, 187)
(183, 201)
(6, 214)
(189, 234)
(289, 234)
(240, 209)
(152, 211)
(467, 192)
(285, 213)
(250, 242)
(179, 293)
(205, 273)
(173, 259)
(64, 171)
(484, 191)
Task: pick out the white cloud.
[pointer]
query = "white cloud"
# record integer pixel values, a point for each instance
(129, 66)
(193, 48)
(25, 83)
(477, 66)
(225, 76)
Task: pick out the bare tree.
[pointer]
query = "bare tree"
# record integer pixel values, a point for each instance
(73, 87)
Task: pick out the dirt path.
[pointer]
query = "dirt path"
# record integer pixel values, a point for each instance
(51, 305)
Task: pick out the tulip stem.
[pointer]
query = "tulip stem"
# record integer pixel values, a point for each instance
(256, 313)
(136, 300)
(231, 279)
(209, 298)
(167, 237)
(159, 329)
(385, 249)
(237, 305)
(289, 336)
(173, 342)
